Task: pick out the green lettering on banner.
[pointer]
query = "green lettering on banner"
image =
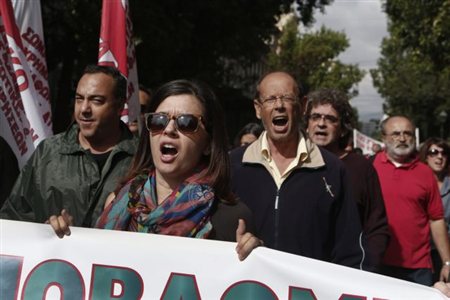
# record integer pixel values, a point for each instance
(54, 273)
(105, 278)
(249, 290)
(11, 267)
(296, 293)
(181, 286)
(352, 297)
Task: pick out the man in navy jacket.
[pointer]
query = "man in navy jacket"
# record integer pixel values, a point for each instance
(296, 191)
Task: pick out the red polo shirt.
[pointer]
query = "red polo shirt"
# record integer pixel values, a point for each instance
(412, 199)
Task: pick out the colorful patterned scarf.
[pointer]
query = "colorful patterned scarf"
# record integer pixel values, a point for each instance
(185, 212)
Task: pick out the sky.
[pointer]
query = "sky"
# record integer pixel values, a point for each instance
(364, 23)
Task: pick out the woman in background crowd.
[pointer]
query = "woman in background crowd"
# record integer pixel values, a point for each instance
(435, 153)
(248, 134)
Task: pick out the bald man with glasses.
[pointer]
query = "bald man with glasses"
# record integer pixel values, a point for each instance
(296, 192)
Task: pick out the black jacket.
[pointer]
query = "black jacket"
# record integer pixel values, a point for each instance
(316, 216)
(9, 170)
(369, 198)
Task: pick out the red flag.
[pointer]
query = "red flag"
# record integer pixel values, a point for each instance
(116, 49)
(25, 114)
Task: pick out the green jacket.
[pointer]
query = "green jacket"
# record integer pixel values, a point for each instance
(60, 174)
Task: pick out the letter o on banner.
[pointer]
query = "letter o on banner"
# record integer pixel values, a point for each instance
(54, 273)
(249, 290)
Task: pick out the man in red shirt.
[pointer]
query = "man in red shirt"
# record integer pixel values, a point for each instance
(413, 206)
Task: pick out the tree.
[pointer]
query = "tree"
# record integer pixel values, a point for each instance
(413, 73)
(312, 58)
(71, 30)
(212, 41)
(306, 9)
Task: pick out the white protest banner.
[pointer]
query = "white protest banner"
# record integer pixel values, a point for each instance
(364, 142)
(106, 264)
(116, 49)
(25, 114)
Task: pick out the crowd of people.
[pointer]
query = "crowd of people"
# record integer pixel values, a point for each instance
(289, 183)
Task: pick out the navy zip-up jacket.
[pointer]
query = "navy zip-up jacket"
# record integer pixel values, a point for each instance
(315, 214)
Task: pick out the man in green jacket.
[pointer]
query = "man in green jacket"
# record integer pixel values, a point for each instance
(77, 169)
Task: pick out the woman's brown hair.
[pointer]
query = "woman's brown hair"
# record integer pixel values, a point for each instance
(217, 161)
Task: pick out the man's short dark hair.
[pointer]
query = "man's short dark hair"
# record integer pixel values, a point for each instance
(120, 88)
(340, 102)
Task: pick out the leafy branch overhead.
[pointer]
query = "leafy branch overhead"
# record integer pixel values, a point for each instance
(215, 41)
(313, 58)
(413, 74)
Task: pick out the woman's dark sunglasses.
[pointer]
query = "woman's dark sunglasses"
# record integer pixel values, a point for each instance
(436, 152)
(185, 123)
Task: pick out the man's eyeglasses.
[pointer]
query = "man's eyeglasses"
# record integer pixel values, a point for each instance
(315, 117)
(436, 152)
(185, 123)
(397, 134)
(285, 99)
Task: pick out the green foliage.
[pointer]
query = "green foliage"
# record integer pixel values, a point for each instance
(195, 38)
(413, 73)
(312, 58)
(306, 9)
(71, 30)
(215, 41)
(422, 25)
